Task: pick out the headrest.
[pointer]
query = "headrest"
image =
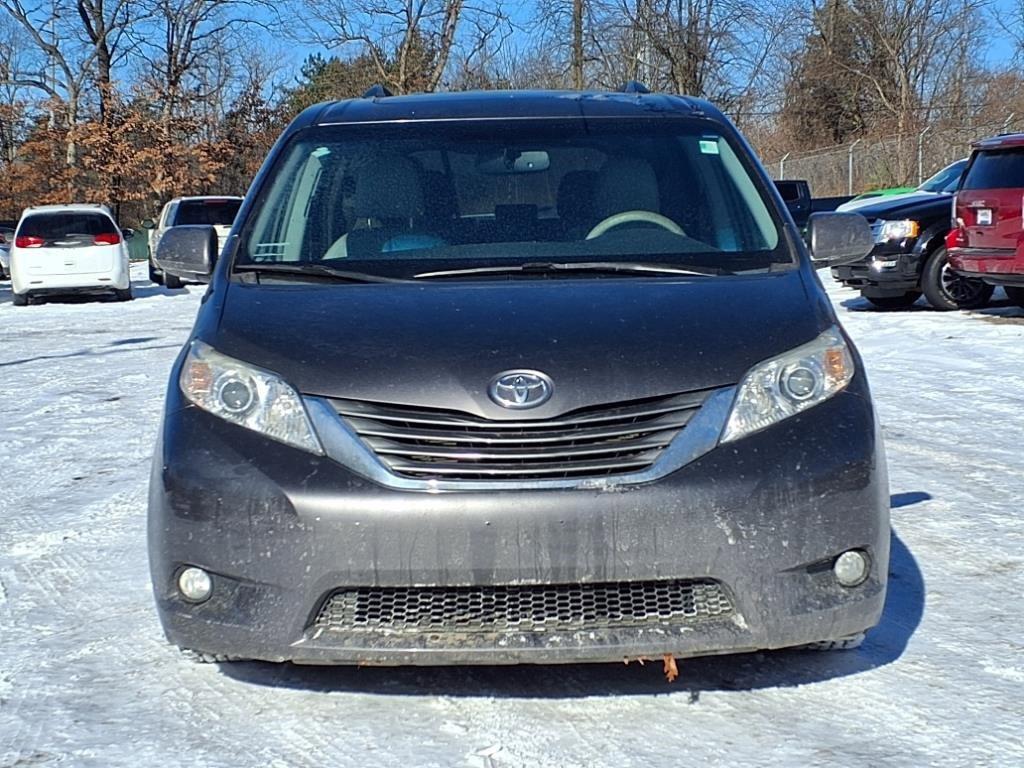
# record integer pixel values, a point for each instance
(625, 184)
(389, 187)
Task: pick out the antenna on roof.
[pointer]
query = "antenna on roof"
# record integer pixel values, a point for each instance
(377, 91)
(634, 86)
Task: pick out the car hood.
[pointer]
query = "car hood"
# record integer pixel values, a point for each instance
(891, 206)
(440, 344)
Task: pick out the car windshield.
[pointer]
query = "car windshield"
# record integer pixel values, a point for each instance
(210, 212)
(997, 169)
(406, 197)
(945, 180)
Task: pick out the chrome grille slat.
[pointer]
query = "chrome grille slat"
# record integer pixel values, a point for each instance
(530, 469)
(546, 607)
(379, 412)
(513, 454)
(596, 441)
(495, 436)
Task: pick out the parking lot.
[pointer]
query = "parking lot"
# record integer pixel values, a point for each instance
(87, 679)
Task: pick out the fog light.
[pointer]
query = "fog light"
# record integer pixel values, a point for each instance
(851, 568)
(879, 265)
(196, 585)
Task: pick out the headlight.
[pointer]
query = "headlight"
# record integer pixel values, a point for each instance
(247, 396)
(896, 230)
(792, 382)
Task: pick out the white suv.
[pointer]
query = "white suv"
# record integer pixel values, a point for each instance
(218, 211)
(62, 249)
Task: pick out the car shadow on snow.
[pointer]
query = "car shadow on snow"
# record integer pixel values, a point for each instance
(860, 304)
(999, 307)
(904, 607)
(144, 289)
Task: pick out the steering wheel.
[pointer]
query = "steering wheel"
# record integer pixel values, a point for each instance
(627, 217)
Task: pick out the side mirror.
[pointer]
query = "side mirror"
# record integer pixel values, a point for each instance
(148, 224)
(188, 251)
(128, 233)
(838, 238)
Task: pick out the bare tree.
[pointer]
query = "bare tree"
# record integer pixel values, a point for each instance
(907, 47)
(1013, 23)
(718, 49)
(105, 24)
(64, 64)
(12, 107)
(183, 40)
(411, 42)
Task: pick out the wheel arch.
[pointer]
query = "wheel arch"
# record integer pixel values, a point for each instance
(933, 237)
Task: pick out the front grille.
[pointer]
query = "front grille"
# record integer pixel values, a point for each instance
(590, 442)
(523, 608)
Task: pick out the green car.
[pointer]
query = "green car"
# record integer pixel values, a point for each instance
(945, 180)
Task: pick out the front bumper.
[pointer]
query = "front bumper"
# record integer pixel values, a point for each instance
(282, 530)
(889, 270)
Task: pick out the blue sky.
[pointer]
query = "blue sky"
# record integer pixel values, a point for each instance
(997, 50)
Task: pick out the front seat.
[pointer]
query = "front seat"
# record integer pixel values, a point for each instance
(388, 208)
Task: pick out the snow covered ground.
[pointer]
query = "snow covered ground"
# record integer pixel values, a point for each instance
(87, 679)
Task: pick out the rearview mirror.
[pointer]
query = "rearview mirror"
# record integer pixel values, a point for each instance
(148, 224)
(512, 161)
(128, 233)
(188, 252)
(838, 238)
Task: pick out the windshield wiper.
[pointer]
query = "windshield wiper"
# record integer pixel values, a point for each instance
(549, 267)
(316, 270)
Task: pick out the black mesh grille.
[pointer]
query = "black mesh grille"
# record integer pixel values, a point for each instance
(590, 442)
(545, 607)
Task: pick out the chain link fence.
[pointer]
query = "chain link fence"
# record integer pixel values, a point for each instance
(896, 161)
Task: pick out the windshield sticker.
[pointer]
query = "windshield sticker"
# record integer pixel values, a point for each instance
(708, 147)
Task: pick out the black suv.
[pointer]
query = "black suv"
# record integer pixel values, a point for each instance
(515, 377)
(909, 257)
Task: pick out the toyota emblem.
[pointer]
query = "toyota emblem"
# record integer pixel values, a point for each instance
(520, 389)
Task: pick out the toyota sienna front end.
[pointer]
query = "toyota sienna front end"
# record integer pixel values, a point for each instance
(514, 377)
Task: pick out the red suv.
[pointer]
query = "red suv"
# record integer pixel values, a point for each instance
(987, 240)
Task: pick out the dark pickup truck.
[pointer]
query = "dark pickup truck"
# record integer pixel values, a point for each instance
(909, 257)
(796, 194)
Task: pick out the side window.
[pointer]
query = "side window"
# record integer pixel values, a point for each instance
(280, 230)
(168, 218)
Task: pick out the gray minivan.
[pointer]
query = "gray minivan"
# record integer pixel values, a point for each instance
(516, 377)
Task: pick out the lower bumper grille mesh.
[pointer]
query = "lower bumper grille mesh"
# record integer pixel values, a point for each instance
(523, 608)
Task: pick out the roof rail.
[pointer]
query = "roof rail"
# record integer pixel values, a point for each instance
(634, 86)
(377, 91)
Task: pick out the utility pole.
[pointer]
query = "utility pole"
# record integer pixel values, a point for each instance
(577, 44)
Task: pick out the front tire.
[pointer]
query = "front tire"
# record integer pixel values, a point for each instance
(1015, 294)
(946, 290)
(125, 295)
(154, 276)
(20, 299)
(894, 302)
(172, 281)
